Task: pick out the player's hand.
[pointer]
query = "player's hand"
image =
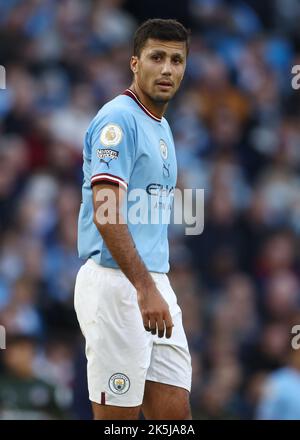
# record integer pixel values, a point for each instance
(155, 312)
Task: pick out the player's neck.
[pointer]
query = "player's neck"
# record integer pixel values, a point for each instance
(156, 108)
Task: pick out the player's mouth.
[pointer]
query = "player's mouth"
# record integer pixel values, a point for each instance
(165, 85)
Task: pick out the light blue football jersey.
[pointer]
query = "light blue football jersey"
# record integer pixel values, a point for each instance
(127, 145)
(281, 396)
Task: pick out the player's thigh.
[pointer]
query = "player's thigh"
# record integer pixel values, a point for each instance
(118, 348)
(166, 402)
(109, 412)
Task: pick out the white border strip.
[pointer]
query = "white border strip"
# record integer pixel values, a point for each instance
(109, 178)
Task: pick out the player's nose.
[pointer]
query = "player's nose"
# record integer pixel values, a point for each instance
(166, 68)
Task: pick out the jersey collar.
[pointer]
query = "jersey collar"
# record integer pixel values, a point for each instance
(132, 95)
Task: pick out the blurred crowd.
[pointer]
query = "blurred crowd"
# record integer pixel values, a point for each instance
(236, 124)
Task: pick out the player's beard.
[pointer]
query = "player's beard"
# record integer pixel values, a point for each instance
(160, 99)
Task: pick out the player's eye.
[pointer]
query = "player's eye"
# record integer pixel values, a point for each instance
(156, 57)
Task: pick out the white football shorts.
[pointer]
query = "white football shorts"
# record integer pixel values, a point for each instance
(121, 354)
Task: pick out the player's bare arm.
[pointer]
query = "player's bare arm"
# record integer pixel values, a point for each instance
(154, 309)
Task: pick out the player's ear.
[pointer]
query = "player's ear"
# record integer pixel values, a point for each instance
(134, 64)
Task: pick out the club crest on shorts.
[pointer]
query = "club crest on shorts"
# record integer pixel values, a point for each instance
(111, 135)
(163, 149)
(119, 383)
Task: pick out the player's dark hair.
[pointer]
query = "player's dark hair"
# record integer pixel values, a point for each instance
(160, 29)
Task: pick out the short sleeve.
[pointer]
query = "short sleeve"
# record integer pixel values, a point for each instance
(112, 144)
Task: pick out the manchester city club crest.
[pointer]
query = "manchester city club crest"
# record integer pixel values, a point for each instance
(119, 383)
(163, 149)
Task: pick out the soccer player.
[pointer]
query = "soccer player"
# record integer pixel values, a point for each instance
(137, 351)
